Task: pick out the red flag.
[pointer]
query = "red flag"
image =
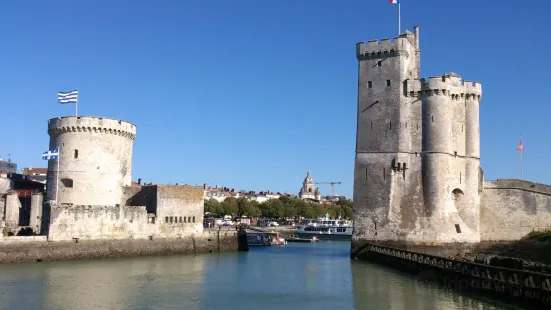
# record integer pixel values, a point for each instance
(519, 148)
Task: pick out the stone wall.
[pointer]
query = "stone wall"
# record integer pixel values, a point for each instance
(11, 212)
(36, 212)
(22, 239)
(511, 208)
(179, 210)
(99, 222)
(208, 241)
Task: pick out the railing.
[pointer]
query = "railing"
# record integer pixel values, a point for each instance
(519, 284)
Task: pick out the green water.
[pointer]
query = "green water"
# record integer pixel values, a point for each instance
(296, 276)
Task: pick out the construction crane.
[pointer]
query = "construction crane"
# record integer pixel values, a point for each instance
(332, 186)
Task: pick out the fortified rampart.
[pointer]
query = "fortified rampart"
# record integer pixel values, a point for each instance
(95, 211)
(33, 249)
(417, 175)
(511, 209)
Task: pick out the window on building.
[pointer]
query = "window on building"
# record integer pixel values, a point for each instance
(194, 219)
(189, 219)
(369, 84)
(166, 219)
(67, 183)
(379, 63)
(180, 219)
(76, 153)
(387, 83)
(171, 220)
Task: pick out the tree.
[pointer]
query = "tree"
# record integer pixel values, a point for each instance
(242, 206)
(212, 206)
(345, 203)
(230, 206)
(253, 209)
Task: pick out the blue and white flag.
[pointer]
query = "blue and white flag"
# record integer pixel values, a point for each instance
(68, 97)
(50, 154)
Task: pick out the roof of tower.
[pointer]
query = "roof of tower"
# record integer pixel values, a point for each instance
(453, 74)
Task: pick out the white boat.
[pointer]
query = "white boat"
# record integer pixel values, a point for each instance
(326, 229)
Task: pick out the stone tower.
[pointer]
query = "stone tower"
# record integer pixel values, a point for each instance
(95, 160)
(416, 176)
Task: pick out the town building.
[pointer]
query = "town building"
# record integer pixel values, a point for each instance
(36, 174)
(308, 189)
(7, 166)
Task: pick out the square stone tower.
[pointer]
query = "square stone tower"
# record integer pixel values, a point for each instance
(417, 160)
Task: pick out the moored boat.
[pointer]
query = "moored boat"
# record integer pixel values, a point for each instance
(326, 229)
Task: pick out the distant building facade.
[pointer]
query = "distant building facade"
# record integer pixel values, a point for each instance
(308, 189)
(36, 174)
(7, 166)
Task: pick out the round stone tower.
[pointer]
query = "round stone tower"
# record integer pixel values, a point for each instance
(95, 159)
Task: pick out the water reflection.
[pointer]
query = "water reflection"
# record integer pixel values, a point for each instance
(297, 276)
(384, 288)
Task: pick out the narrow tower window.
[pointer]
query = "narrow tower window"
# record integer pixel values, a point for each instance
(384, 173)
(432, 118)
(371, 125)
(67, 183)
(459, 177)
(76, 153)
(379, 63)
(387, 83)
(366, 174)
(369, 84)
(390, 126)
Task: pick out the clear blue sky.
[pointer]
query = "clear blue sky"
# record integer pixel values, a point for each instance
(250, 94)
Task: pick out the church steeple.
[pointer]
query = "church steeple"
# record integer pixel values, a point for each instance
(308, 189)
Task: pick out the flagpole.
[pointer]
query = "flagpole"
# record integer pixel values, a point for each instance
(76, 105)
(57, 174)
(399, 19)
(521, 164)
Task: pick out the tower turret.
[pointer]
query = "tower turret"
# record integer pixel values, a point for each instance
(417, 149)
(95, 160)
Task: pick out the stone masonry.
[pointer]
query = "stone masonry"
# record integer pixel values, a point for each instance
(417, 176)
(94, 198)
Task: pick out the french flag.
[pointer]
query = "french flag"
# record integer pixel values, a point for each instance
(393, 1)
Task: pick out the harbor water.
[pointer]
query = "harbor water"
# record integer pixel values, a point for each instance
(295, 276)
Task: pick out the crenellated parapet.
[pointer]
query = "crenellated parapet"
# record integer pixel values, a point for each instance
(446, 85)
(385, 48)
(91, 124)
(104, 208)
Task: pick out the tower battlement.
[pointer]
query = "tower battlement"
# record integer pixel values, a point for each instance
(91, 124)
(405, 42)
(446, 85)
